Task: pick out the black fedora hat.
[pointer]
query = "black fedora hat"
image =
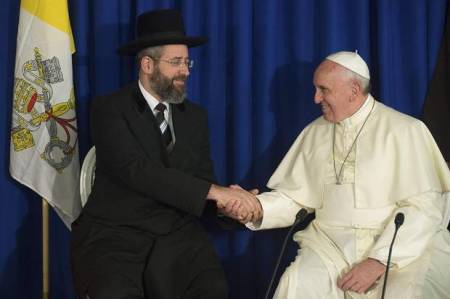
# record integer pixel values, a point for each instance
(159, 27)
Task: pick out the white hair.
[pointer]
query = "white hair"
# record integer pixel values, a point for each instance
(364, 83)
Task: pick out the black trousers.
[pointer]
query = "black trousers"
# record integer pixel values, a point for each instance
(122, 263)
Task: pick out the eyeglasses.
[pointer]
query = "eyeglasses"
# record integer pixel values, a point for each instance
(177, 62)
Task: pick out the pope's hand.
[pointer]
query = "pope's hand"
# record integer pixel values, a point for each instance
(242, 213)
(236, 203)
(362, 276)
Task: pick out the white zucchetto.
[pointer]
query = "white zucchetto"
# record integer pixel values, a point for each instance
(351, 61)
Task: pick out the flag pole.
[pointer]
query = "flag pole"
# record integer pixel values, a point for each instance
(45, 251)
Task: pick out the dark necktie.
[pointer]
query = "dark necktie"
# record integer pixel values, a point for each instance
(163, 125)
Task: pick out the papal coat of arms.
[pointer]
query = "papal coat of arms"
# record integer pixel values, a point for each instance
(33, 110)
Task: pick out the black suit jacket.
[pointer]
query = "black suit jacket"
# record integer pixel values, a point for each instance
(137, 183)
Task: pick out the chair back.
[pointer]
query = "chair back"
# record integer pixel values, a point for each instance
(87, 175)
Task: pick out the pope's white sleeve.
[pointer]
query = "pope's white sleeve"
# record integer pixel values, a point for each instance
(278, 211)
(423, 218)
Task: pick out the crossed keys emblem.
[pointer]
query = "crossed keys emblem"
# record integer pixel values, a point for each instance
(32, 109)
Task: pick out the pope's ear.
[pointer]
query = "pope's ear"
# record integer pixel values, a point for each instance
(355, 88)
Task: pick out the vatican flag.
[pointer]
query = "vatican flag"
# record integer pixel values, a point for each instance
(44, 144)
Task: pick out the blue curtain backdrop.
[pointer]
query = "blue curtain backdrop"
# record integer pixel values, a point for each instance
(254, 78)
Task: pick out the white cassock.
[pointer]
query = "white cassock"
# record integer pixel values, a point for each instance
(394, 166)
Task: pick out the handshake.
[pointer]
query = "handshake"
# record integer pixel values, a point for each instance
(237, 203)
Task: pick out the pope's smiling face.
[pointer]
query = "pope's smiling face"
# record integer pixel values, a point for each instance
(333, 91)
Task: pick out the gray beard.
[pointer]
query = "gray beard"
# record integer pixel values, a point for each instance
(165, 88)
(173, 98)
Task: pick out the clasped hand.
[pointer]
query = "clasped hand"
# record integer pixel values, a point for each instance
(237, 203)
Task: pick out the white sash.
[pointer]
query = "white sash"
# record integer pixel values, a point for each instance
(338, 209)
